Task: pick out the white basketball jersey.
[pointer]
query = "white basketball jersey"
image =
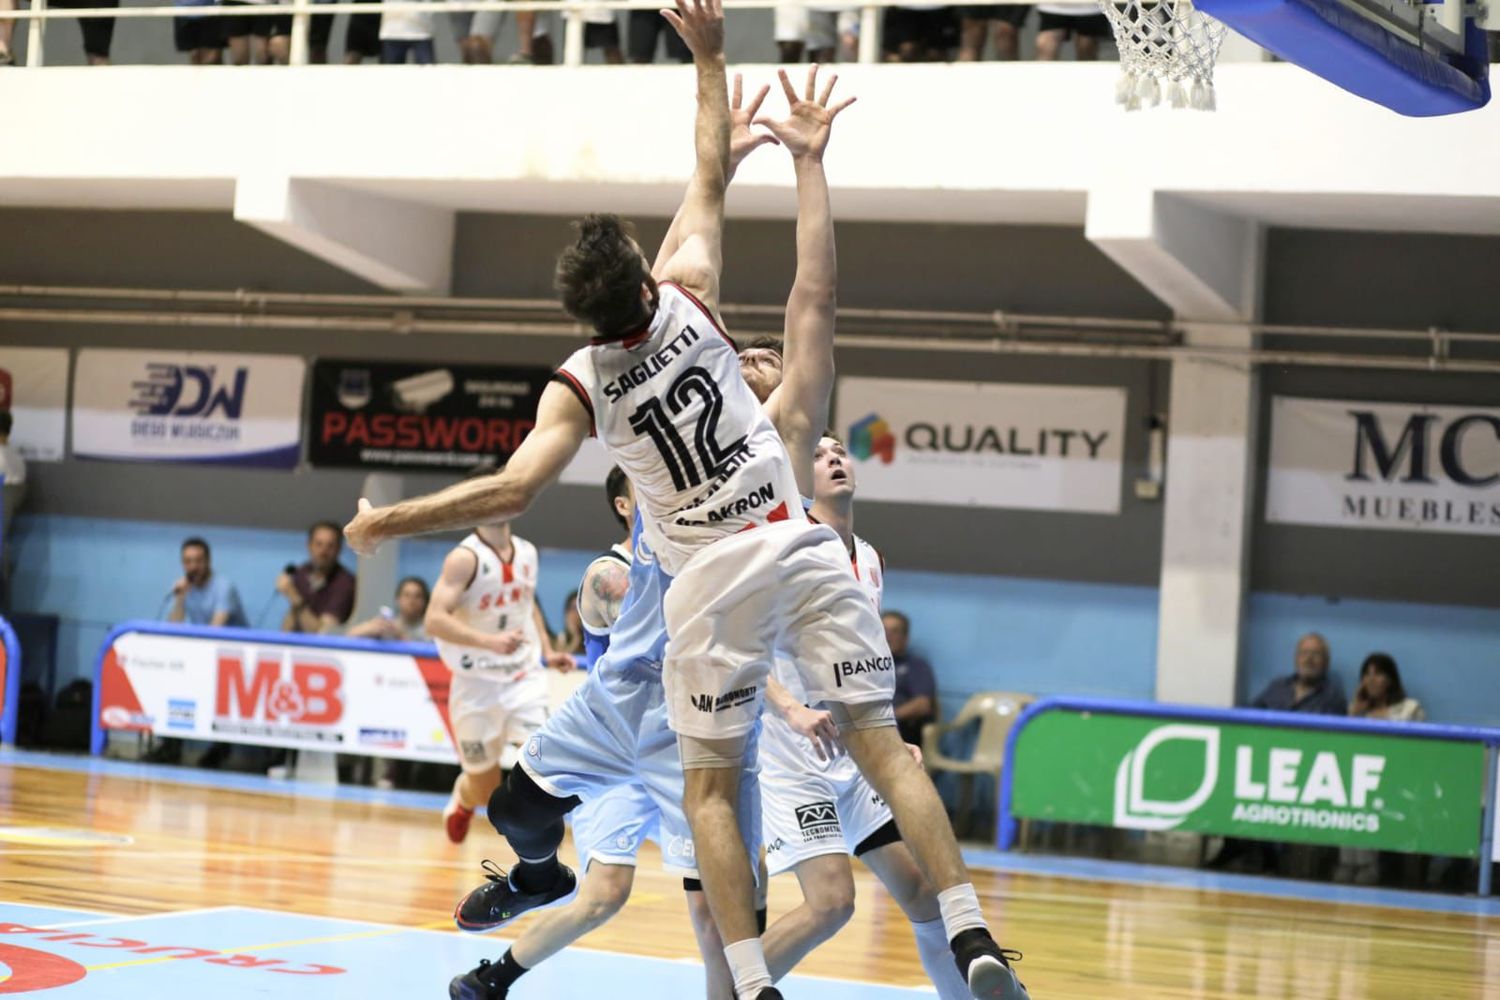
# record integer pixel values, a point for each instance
(500, 597)
(675, 413)
(779, 742)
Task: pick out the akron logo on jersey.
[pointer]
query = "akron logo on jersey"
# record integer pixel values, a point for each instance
(818, 821)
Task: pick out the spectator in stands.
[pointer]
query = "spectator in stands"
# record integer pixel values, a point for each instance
(974, 26)
(403, 623)
(644, 27)
(362, 37)
(7, 32)
(601, 31)
(570, 639)
(13, 468)
(320, 592)
(1381, 695)
(475, 32)
(920, 33)
(199, 36)
(916, 688)
(406, 35)
(98, 32)
(1310, 688)
(1082, 22)
(202, 597)
(258, 39)
(534, 39)
(803, 30)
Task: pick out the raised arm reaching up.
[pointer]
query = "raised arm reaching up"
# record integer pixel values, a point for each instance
(699, 256)
(799, 408)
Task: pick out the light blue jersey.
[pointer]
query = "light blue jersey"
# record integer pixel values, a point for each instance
(609, 744)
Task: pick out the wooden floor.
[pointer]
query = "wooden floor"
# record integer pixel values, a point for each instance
(196, 847)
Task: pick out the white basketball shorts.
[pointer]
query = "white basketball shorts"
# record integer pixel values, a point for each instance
(493, 719)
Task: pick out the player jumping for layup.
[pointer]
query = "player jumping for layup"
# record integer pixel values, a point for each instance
(661, 386)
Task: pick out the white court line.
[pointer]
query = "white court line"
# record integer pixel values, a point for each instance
(128, 918)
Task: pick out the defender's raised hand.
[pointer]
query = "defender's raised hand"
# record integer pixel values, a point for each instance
(701, 25)
(742, 141)
(805, 130)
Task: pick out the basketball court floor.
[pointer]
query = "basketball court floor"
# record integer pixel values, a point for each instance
(130, 882)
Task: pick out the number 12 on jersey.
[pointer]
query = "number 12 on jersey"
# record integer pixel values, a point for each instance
(651, 419)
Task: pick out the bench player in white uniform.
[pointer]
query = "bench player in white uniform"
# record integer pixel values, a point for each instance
(817, 809)
(661, 385)
(490, 633)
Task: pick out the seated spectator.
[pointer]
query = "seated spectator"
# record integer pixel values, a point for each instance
(974, 25)
(1310, 688)
(600, 31)
(98, 32)
(13, 468)
(320, 592)
(920, 33)
(258, 39)
(1380, 694)
(202, 597)
(916, 689)
(475, 31)
(406, 35)
(645, 27)
(362, 37)
(1084, 23)
(813, 32)
(570, 639)
(199, 36)
(404, 622)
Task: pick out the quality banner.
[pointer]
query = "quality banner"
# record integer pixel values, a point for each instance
(414, 416)
(1397, 466)
(1396, 793)
(179, 406)
(1034, 447)
(34, 388)
(234, 690)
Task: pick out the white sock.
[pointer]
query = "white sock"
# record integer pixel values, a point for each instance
(937, 959)
(960, 906)
(747, 964)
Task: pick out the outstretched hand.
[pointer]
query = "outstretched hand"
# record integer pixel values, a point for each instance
(809, 121)
(742, 141)
(701, 25)
(360, 533)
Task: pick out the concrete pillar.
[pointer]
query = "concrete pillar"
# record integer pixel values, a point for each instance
(378, 573)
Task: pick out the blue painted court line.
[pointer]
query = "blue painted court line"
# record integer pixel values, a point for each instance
(1133, 873)
(234, 781)
(235, 953)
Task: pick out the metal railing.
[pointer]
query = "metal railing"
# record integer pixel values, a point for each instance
(302, 11)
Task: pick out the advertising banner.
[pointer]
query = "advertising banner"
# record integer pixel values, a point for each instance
(180, 406)
(1396, 466)
(237, 690)
(414, 416)
(34, 388)
(1392, 793)
(1033, 447)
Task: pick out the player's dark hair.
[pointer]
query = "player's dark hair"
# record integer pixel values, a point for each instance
(5, 422)
(1385, 665)
(615, 486)
(905, 621)
(831, 435)
(765, 344)
(338, 532)
(421, 583)
(198, 543)
(599, 277)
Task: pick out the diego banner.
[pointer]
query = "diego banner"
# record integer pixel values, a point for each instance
(237, 687)
(34, 389)
(180, 406)
(405, 416)
(1350, 789)
(1036, 447)
(1399, 466)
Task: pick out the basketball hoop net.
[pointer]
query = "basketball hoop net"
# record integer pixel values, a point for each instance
(1167, 52)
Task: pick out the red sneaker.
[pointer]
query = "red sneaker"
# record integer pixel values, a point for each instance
(456, 821)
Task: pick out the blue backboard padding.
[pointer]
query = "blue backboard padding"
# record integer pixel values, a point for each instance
(1344, 48)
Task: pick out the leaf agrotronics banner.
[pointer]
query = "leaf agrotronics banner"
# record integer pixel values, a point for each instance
(377, 703)
(1036, 447)
(1314, 786)
(405, 416)
(34, 388)
(1399, 466)
(176, 406)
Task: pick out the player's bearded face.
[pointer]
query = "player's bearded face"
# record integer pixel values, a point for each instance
(833, 475)
(762, 370)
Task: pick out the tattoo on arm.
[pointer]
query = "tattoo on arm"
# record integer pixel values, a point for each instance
(604, 594)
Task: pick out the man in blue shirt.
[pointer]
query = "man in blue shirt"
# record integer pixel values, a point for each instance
(916, 687)
(200, 597)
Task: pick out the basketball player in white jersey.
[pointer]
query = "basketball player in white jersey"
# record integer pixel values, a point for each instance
(817, 809)
(660, 384)
(489, 631)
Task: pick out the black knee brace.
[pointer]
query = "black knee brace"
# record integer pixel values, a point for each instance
(530, 818)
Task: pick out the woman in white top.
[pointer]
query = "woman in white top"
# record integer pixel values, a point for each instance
(1380, 694)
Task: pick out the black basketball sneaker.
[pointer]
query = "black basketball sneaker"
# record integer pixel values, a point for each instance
(477, 984)
(769, 993)
(986, 966)
(499, 901)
